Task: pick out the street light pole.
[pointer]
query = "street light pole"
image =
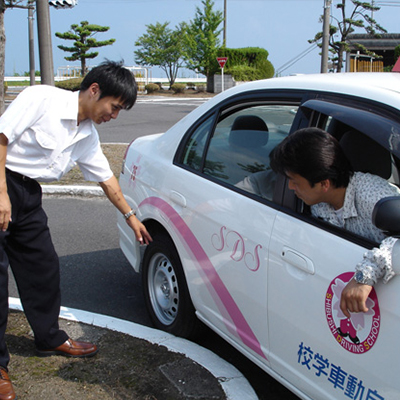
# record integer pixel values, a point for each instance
(325, 36)
(44, 37)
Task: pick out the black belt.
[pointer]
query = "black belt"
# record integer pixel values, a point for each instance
(18, 175)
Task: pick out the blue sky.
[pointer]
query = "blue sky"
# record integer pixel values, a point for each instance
(280, 26)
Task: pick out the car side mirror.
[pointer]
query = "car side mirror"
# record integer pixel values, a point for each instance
(386, 215)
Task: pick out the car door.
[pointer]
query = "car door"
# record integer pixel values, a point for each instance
(309, 264)
(229, 219)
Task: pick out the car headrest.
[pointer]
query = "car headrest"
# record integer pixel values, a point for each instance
(366, 155)
(249, 131)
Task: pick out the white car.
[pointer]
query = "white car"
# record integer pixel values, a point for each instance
(234, 248)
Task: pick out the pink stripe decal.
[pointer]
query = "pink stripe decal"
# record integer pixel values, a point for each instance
(210, 275)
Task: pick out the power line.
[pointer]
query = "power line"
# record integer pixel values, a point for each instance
(295, 59)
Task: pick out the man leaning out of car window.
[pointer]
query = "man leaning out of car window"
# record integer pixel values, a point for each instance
(321, 176)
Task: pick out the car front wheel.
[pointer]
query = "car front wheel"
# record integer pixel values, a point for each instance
(165, 290)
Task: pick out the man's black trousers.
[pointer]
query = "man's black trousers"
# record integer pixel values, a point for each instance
(28, 249)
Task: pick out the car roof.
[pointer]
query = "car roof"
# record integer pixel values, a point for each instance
(379, 86)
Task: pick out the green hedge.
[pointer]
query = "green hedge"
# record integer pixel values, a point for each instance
(178, 87)
(152, 87)
(71, 84)
(245, 64)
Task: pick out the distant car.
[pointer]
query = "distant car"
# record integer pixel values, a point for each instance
(234, 247)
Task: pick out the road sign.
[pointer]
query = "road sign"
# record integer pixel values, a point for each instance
(222, 61)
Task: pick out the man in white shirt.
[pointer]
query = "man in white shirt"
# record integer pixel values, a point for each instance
(43, 134)
(321, 176)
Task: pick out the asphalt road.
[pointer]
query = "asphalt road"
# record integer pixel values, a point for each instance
(152, 114)
(95, 275)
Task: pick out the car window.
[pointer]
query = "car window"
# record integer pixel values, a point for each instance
(239, 149)
(193, 152)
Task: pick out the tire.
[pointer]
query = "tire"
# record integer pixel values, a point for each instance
(166, 293)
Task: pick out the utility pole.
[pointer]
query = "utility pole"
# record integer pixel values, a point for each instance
(372, 11)
(44, 36)
(325, 36)
(224, 40)
(31, 43)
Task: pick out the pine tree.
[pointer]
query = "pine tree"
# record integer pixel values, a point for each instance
(83, 41)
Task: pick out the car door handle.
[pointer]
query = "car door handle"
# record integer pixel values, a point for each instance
(298, 260)
(177, 198)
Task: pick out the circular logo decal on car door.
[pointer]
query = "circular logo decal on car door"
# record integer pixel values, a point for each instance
(356, 334)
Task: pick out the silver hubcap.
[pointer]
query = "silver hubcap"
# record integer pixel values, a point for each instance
(163, 289)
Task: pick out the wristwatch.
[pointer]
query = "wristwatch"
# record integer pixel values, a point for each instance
(129, 214)
(361, 277)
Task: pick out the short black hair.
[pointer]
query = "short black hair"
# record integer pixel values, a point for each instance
(313, 154)
(114, 80)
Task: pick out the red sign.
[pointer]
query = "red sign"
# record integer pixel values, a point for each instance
(396, 67)
(222, 61)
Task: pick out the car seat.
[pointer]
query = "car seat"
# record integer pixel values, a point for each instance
(366, 155)
(249, 131)
(243, 152)
(247, 147)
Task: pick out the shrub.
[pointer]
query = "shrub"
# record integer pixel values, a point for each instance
(70, 84)
(178, 87)
(246, 64)
(263, 70)
(5, 88)
(152, 88)
(201, 88)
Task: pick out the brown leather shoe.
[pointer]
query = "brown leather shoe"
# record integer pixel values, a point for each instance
(70, 348)
(6, 387)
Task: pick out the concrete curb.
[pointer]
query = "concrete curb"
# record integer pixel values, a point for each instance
(233, 383)
(73, 190)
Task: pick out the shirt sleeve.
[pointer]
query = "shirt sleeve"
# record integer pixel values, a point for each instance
(97, 168)
(21, 114)
(91, 159)
(377, 263)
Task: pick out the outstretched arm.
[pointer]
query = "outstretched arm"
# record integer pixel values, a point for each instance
(113, 191)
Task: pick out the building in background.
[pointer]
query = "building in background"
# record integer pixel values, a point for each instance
(383, 46)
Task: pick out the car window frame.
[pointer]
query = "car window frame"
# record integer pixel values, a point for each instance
(358, 116)
(231, 105)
